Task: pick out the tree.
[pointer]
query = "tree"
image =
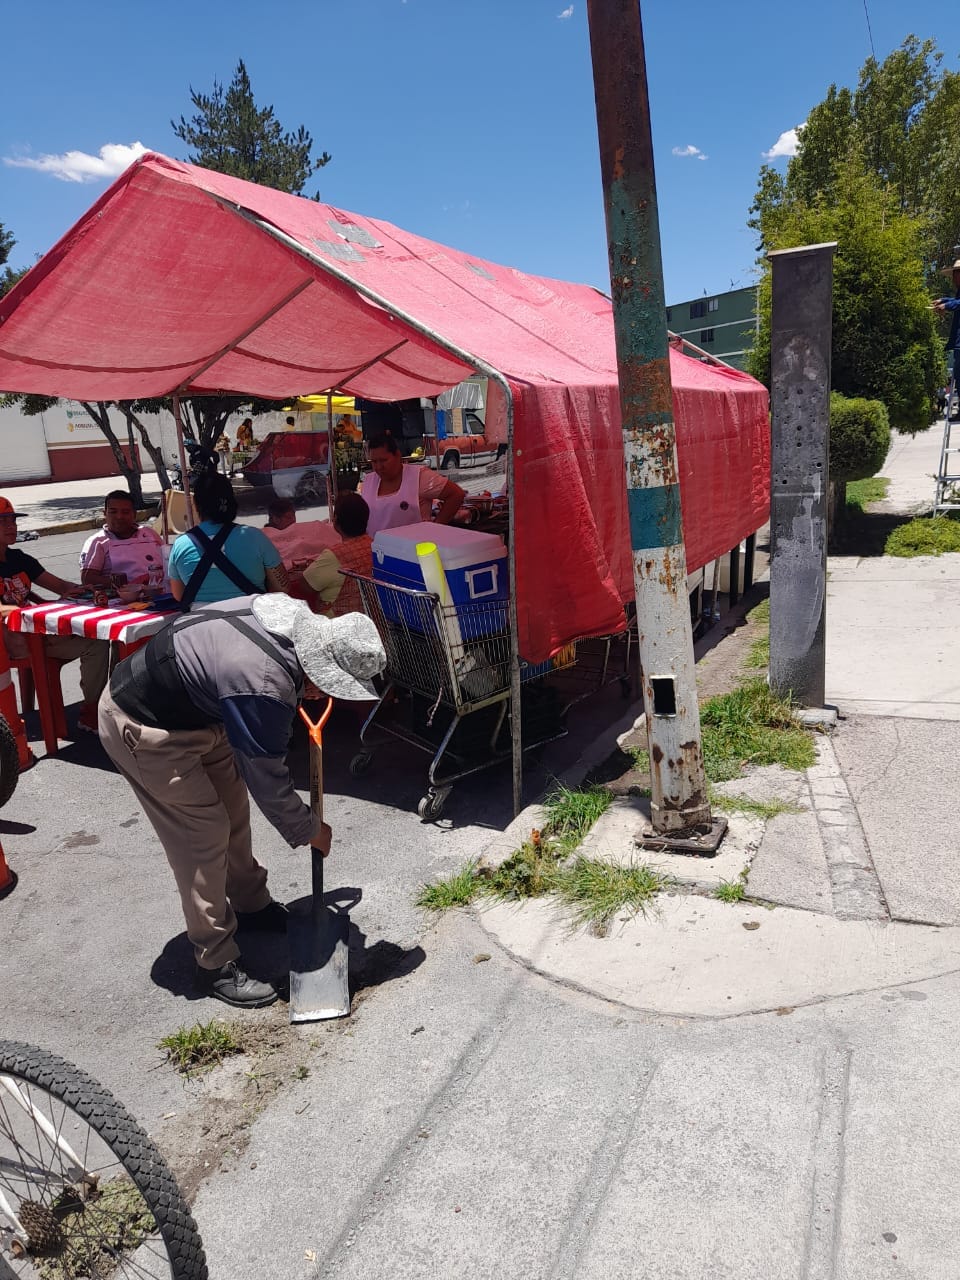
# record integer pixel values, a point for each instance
(885, 341)
(901, 126)
(231, 134)
(8, 276)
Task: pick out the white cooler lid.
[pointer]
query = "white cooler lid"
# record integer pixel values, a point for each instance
(457, 547)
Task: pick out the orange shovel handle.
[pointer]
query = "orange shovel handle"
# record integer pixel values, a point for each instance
(315, 727)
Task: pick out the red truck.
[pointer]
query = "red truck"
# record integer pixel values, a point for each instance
(471, 449)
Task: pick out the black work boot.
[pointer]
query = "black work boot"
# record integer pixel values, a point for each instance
(231, 985)
(269, 919)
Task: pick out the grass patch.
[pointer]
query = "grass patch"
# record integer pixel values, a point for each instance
(730, 891)
(765, 809)
(594, 891)
(201, 1046)
(862, 492)
(456, 890)
(751, 725)
(530, 872)
(760, 613)
(571, 812)
(925, 536)
(759, 652)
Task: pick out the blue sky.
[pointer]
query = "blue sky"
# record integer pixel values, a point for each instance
(472, 124)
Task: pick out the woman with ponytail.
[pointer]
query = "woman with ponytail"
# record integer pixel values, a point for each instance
(218, 559)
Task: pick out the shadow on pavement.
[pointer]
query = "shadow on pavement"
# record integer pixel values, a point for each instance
(866, 533)
(16, 828)
(265, 956)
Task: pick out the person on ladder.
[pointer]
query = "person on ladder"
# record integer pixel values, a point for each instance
(952, 305)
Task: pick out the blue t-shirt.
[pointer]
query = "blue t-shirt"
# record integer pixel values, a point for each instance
(248, 548)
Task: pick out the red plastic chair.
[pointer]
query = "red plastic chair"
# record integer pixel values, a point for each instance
(54, 724)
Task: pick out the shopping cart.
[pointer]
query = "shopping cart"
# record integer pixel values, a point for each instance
(446, 663)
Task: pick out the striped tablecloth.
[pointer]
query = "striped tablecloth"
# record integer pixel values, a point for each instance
(64, 618)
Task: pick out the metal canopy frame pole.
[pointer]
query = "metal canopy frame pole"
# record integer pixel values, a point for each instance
(331, 459)
(184, 469)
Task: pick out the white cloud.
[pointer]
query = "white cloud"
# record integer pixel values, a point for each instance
(567, 13)
(78, 166)
(785, 145)
(690, 151)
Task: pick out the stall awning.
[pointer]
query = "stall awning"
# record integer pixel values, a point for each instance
(181, 279)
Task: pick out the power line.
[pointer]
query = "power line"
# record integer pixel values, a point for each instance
(866, 14)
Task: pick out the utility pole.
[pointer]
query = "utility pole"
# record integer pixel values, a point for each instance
(801, 323)
(680, 810)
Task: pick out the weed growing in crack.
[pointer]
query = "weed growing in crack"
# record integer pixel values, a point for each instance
(201, 1046)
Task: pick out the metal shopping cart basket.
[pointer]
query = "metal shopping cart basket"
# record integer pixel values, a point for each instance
(446, 664)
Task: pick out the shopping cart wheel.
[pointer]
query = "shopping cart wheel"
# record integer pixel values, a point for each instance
(361, 763)
(431, 805)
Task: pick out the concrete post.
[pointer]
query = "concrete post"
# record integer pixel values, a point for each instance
(800, 336)
(679, 804)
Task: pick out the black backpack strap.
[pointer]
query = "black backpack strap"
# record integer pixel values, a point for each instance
(213, 555)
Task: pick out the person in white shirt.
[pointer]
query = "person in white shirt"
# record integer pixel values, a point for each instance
(400, 493)
(121, 551)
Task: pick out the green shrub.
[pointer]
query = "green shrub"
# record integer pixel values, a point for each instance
(859, 437)
(924, 537)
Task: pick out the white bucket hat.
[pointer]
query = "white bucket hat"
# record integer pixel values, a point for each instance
(340, 655)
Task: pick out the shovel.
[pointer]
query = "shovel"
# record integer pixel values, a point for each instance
(318, 937)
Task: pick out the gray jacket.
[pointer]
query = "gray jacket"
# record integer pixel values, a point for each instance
(252, 691)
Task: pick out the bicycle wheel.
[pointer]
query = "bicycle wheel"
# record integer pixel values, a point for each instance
(84, 1193)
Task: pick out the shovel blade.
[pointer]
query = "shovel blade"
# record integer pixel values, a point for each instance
(319, 959)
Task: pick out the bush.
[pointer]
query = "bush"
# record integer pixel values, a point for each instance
(859, 438)
(924, 537)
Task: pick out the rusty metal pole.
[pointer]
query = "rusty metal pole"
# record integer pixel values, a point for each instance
(680, 810)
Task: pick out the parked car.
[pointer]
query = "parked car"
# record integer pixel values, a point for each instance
(294, 462)
(472, 449)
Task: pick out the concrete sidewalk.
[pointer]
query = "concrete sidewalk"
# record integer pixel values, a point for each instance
(869, 854)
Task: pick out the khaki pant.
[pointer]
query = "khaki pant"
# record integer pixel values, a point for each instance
(188, 784)
(94, 658)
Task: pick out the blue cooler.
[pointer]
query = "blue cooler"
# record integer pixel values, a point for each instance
(475, 565)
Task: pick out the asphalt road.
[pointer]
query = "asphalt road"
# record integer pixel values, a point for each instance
(95, 963)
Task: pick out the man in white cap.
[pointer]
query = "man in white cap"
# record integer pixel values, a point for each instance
(943, 305)
(202, 713)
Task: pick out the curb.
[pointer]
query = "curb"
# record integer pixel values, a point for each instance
(509, 840)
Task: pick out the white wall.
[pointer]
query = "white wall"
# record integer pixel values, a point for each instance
(23, 447)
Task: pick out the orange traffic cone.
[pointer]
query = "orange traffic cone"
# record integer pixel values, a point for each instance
(8, 709)
(7, 877)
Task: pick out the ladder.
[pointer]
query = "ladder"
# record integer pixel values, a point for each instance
(948, 475)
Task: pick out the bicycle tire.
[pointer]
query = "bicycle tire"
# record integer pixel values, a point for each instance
(9, 762)
(87, 1099)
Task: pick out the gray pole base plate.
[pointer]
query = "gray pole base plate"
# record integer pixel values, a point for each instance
(703, 840)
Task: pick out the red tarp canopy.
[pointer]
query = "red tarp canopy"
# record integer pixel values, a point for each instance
(181, 279)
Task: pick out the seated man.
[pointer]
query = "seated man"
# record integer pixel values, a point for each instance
(18, 573)
(281, 514)
(120, 551)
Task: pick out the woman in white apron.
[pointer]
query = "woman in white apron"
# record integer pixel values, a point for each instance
(400, 493)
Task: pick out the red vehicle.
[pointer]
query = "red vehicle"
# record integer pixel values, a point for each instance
(288, 455)
(472, 449)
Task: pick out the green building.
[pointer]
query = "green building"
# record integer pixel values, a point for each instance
(722, 324)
